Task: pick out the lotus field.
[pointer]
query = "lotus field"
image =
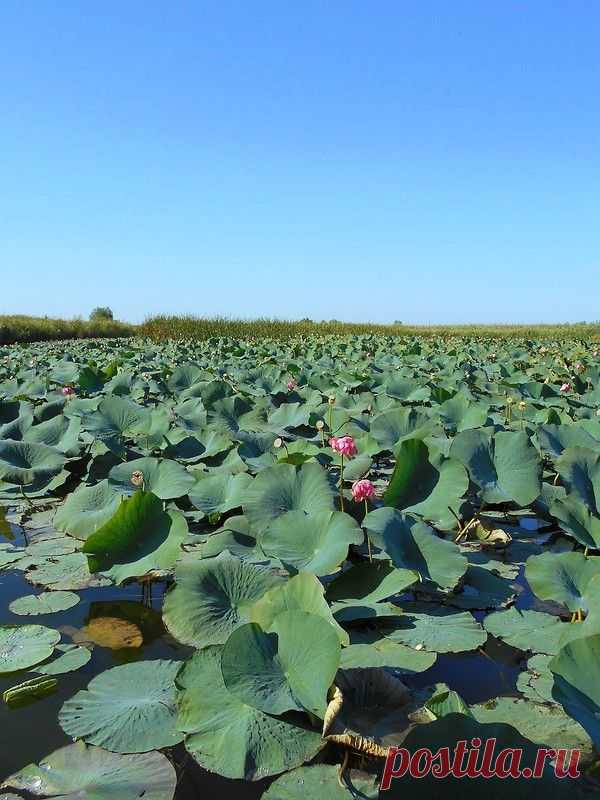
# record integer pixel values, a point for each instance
(270, 561)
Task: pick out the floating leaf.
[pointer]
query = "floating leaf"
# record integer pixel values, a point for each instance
(73, 657)
(126, 709)
(77, 771)
(435, 629)
(526, 630)
(22, 646)
(45, 603)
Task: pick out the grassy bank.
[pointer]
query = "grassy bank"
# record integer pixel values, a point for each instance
(21, 328)
(189, 327)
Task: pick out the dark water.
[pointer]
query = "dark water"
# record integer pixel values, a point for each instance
(31, 732)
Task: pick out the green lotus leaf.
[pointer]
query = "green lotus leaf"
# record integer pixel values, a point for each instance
(69, 573)
(576, 688)
(58, 432)
(9, 554)
(228, 736)
(77, 771)
(45, 603)
(213, 597)
(28, 463)
(369, 648)
(554, 439)
(444, 701)
(579, 469)
(284, 487)
(355, 610)
(322, 782)
(87, 509)
(166, 479)
(303, 592)
(435, 629)
(370, 583)
(316, 542)
(257, 449)
(505, 467)
(414, 545)
(220, 493)
(139, 536)
(546, 725)
(562, 577)
(68, 658)
(458, 413)
(289, 668)
(235, 536)
(22, 646)
(288, 416)
(481, 588)
(126, 709)
(536, 681)
(426, 484)
(576, 519)
(191, 414)
(116, 419)
(391, 427)
(199, 447)
(527, 630)
(406, 389)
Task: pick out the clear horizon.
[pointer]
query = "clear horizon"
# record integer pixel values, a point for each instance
(425, 162)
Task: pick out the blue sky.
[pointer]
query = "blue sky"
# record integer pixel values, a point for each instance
(421, 160)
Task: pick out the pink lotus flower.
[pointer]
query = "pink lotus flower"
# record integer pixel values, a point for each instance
(68, 391)
(362, 490)
(566, 387)
(291, 385)
(344, 445)
(579, 366)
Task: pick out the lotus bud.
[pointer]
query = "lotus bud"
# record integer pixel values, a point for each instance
(579, 367)
(137, 478)
(331, 400)
(522, 406)
(68, 391)
(291, 385)
(319, 424)
(278, 442)
(566, 387)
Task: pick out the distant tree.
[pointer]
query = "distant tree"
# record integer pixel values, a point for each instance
(101, 312)
(397, 322)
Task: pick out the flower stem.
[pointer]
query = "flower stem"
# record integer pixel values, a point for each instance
(367, 533)
(342, 482)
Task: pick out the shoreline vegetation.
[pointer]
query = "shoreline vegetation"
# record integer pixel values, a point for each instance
(20, 328)
(23, 329)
